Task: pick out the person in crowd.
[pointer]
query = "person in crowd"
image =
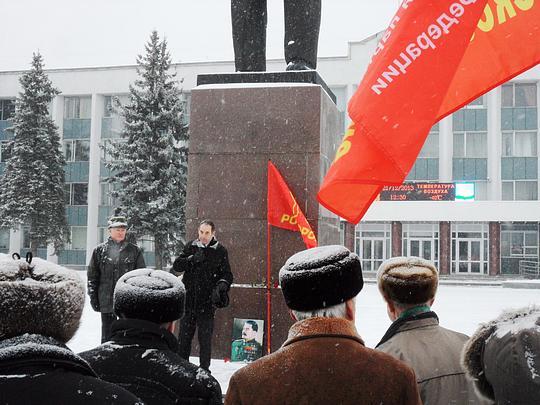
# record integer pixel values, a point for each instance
(40, 308)
(502, 358)
(324, 360)
(408, 286)
(141, 354)
(302, 23)
(204, 263)
(110, 261)
(247, 348)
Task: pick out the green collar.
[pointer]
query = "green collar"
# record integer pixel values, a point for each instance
(420, 309)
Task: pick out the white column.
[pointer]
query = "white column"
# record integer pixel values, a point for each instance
(57, 114)
(446, 149)
(494, 186)
(15, 242)
(93, 175)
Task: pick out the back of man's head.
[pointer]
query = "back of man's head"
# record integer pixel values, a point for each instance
(318, 281)
(39, 297)
(150, 295)
(408, 281)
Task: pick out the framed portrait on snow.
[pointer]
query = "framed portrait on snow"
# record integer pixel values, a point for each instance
(247, 340)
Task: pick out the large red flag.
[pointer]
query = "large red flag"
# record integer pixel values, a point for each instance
(283, 210)
(416, 77)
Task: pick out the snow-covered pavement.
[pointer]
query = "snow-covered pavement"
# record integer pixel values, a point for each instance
(461, 308)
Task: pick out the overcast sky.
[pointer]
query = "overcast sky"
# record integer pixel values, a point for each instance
(82, 33)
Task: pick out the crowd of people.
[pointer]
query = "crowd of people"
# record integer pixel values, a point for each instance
(323, 360)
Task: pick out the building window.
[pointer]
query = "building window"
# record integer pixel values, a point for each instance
(77, 150)
(519, 106)
(105, 197)
(426, 167)
(77, 107)
(5, 151)
(146, 243)
(76, 193)
(520, 144)
(470, 144)
(421, 240)
(4, 238)
(78, 238)
(519, 246)
(469, 248)
(519, 95)
(519, 190)
(372, 244)
(7, 109)
(25, 242)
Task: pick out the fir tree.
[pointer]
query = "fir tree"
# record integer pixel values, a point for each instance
(32, 186)
(149, 167)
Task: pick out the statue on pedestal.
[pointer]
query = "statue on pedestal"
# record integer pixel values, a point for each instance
(302, 22)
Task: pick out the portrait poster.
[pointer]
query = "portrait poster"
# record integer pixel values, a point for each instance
(247, 340)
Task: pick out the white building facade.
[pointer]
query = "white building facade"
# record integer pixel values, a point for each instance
(493, 143)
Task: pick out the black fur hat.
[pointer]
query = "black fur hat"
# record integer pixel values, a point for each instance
(320, 277)
(39, 297)
(408, 280)
(152, 295)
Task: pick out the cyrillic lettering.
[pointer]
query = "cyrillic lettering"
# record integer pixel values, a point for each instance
(503, 5)
(406, 3)
(434, 31)
(381, 84)
(394, 22)
(424, 41)
(451, 21)
(285, 218)
(386, 35)
(456, 9)
(379, 48)
(402, 66)
(392, 72)
(524, 5)
(413, 51)
(344, 148)
(487, 22)
(467, 2)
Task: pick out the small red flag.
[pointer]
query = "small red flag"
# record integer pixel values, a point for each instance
(283, 210)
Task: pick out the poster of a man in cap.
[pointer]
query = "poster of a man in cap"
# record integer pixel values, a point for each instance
(110, 261)
(248, 347)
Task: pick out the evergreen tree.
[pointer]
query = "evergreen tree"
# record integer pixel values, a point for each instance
(32, 186)
(149, 165)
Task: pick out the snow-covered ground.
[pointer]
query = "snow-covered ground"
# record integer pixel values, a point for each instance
(461, 308)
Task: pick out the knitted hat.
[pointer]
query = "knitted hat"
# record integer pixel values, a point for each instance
(408, 280)
(502, 358)
(117, 220)
(39, 297)
(152, 295)
(320, 277)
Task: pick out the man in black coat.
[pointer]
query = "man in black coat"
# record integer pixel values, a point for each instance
(207, 277)
(302, 22)
(40, 308)
(141, 354)
(110, 261)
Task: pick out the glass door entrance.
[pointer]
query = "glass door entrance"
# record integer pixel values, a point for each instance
(422, 248)
(470, 256)
(469, 248)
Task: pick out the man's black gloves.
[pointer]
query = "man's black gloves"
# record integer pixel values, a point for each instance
(94, 302)
(220, 298)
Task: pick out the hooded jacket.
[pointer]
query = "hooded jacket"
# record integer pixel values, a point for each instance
(141, 357)
(35, 369)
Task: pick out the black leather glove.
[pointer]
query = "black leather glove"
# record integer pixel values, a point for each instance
(94, 302)
(198, 257)
(222, 286)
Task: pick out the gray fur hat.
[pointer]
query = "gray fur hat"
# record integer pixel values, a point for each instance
(408, 280)
(320, 278)
(39, 297)
(117, 220)
(151, 295)
(503, 358)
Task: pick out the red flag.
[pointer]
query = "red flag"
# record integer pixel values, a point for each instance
(415, 78)
(283, 210)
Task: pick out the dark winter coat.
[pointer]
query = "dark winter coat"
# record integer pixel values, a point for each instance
(141, 357)
(203, 268)
(35, 369)
(324, 361)
(110, 261)
(434, 353)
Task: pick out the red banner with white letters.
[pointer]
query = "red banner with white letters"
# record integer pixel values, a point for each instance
(283, 210)
(427, 64)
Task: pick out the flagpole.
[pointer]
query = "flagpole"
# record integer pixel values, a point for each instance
(268, 293)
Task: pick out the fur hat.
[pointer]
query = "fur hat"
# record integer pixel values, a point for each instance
(320, 277)
(39, 297)
(408, 280)
(152, 295)
(503, 358)
(117, 220)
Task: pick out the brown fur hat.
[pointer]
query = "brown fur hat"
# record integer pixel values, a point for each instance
(408, 280)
